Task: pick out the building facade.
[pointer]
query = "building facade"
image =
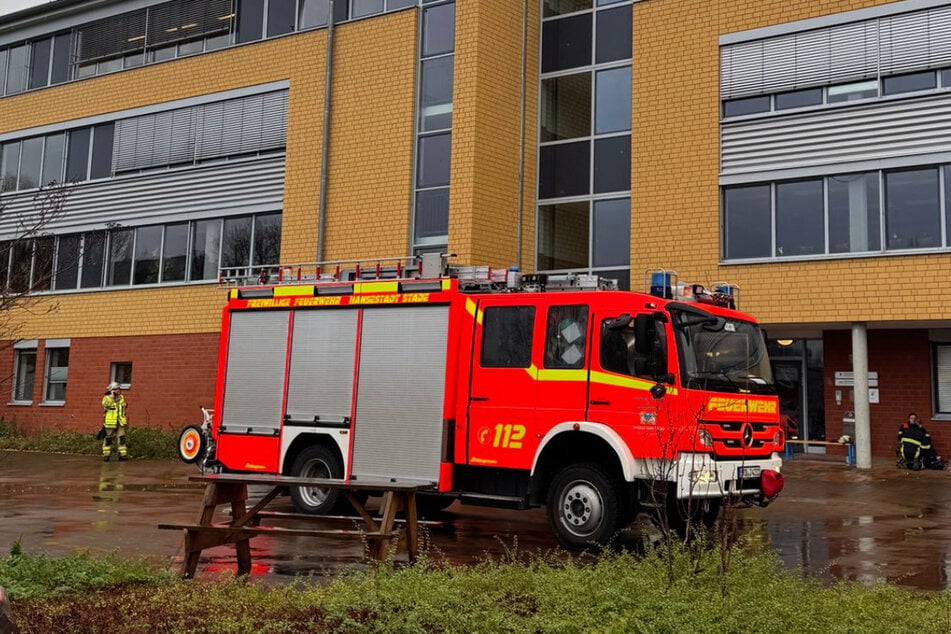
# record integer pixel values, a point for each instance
(799, 149)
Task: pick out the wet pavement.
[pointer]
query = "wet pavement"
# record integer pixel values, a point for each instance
(831, 522)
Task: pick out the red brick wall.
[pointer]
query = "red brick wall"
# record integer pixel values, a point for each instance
(901, 358)
(172, 376)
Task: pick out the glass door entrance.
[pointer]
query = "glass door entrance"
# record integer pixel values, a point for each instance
(797, 370)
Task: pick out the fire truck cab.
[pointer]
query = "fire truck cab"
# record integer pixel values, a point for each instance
(497, 389)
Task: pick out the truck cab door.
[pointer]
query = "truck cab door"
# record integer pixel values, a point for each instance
(501, 408)
(621, 378)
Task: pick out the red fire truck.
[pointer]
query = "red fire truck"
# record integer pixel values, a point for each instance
(497, 389)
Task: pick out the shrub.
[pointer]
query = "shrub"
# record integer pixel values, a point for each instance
(143, 442)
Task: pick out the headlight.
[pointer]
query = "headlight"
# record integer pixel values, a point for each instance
(703, 476)
(704, 438)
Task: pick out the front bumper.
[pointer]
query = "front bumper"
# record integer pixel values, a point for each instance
(699, 476)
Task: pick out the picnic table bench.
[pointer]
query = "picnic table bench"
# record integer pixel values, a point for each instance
(849, 448)
(232, 489)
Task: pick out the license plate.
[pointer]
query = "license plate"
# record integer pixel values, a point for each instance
(745, 473)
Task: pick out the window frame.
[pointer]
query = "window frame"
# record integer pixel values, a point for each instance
(115, 375)
(20, 351)
(50, 349)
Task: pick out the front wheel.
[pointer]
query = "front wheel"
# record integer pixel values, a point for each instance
(583, 507)
(316, 462)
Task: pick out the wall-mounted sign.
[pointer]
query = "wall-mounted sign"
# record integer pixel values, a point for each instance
(846, 379)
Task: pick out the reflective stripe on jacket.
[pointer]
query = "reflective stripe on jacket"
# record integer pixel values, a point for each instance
(114, 410)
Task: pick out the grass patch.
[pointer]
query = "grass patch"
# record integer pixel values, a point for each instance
(142, 442)
(26, 576)
(611, 593)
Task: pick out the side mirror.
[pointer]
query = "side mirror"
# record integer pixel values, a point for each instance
(658, 390)
(620, 322)
(644, 332)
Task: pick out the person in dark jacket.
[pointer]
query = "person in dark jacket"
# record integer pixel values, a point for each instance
(914, 446)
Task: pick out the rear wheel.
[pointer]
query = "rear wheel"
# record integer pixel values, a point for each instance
(316, 462)
(583, 508)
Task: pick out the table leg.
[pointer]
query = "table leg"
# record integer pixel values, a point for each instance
(390, 508)
(242, 546)
(412, 536)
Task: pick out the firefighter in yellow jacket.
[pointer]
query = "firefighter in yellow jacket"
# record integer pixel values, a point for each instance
(113, 405)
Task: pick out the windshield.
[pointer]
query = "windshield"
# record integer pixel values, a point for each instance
(723, 355)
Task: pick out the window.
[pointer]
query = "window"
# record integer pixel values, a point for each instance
(206, 239)
(909, 83)
(250, 20)
(561, 7)
(746, 105)
(9, 166)
(432, 215)
(507, 336)
(565, 337)
(852, 92)
(613, 101)
(18, 68)
(612, 164)
(562, 170)
(912, 209)
(121, 372)
(67, 263)
(617, 353)
(360, 8)
(267, 240)
(612, 233)
(42, 277)
(435, 112)
(563, 236)
(236, 242)
(77, 155)
(148, 249)
(119, 269)
(854, 213)
(57, 372)
(313, 13)
(281, 15)
(800, 218)
(747, 223)
(566, 107)
(614, 35)
(434, 155)
(24, 374)
(93, 258)
(439, 32)
(566, 43)
(799, 99)
(174, 252)
(54, 158)
(31, 158)
(40, 64)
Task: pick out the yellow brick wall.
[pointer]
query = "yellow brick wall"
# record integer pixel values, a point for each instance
(299, 59)
(369, 191)
(675, 194)
(484, 190)
(371, 138)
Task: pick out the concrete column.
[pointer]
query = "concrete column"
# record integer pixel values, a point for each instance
(863, 434)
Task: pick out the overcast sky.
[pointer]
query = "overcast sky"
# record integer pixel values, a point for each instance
(9, 6)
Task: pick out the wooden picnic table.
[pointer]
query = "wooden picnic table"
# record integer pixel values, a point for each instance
(245, 523)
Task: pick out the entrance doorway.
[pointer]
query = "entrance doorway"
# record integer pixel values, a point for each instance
(797, 370)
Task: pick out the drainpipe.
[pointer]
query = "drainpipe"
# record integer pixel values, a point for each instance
(521, 141)
(325, 143)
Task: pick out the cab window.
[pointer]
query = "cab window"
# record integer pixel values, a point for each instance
(507, 336)
(565, 337)
(618, 354)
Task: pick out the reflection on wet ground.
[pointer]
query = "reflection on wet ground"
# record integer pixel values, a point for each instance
(832, 521)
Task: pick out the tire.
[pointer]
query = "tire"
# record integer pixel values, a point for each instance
(687, 517)
(316, 462)
(583, 507)
(191, 444)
